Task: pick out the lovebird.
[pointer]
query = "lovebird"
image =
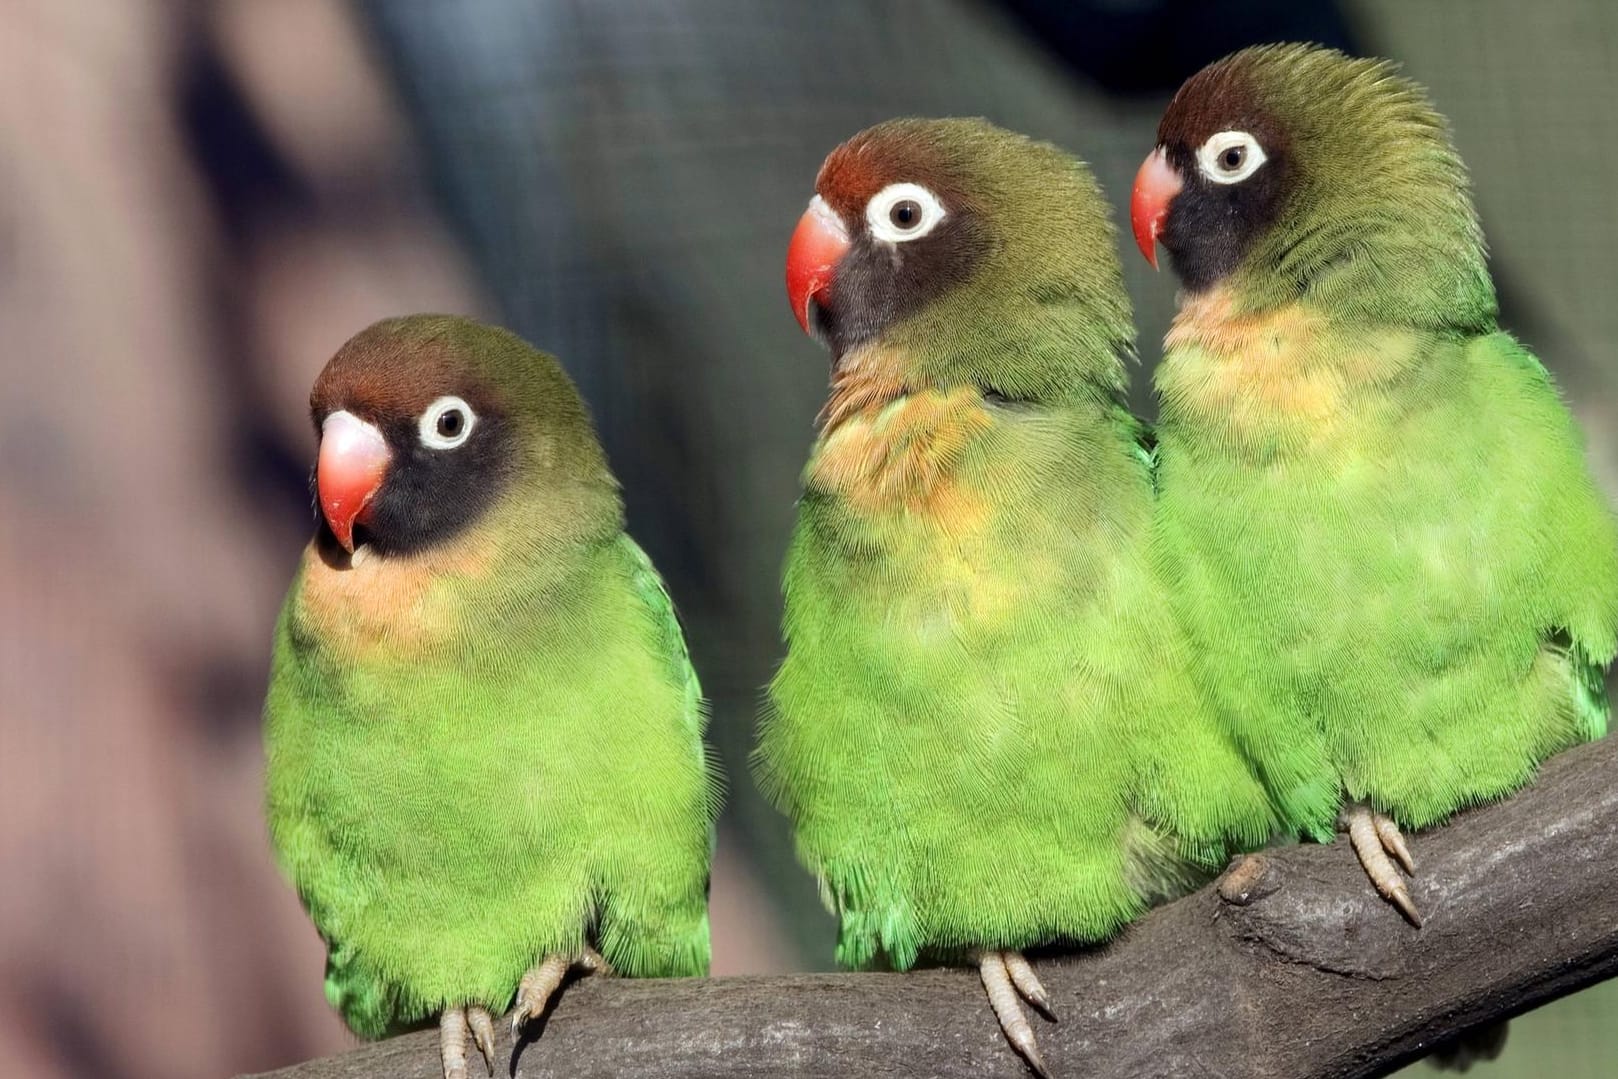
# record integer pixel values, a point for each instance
(1398, 574)
(484, 734)
(985, 731)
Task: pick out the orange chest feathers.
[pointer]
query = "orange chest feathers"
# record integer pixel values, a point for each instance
(886, 449)
(1284, 369)
(400, 607)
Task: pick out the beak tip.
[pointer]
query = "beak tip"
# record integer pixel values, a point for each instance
(341, 520)
(1146, 240)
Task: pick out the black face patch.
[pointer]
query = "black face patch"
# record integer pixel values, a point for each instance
(880, 283)
(431, 495)
(1211, 226)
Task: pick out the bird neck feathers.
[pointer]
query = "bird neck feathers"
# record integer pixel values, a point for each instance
(1289, 373)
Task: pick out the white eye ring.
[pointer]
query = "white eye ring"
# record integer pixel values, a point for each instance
(880, 211)
(432, 437)
(1211, 157)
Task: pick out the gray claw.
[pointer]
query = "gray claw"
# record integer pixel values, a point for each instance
(540, 983)
(482, 1025)
(1028, 983)
(1393, 841)
(993, 968)
(1373, 836)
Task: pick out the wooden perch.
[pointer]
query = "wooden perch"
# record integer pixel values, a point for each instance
(1288, 966)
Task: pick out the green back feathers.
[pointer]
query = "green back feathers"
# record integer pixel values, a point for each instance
(654, 596)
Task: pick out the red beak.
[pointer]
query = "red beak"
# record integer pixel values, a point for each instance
(353, 460)
(818, 244)
(1156, 184)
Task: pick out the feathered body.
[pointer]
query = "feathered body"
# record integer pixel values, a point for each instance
(1375, 513)
(489, 749)
(984, 729)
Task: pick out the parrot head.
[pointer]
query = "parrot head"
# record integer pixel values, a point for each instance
(1293, 171)
(985, 257)
(427, 422)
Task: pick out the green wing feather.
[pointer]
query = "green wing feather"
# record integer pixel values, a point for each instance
(656, 923)
(1414, 610)
(1375, 514)
(988, 737)
(452, 817)
(654, 594)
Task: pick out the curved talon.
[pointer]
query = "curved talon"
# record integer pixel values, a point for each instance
(1003, 998)
(477, 1017)
(541, 982)
(1368, 832)
(1393, 841)
(1028, 983)
(535, 989)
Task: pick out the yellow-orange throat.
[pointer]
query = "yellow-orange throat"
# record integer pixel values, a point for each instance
(1285, 368)
(885, 447)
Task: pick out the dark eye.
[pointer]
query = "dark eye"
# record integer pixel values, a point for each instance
(447, 423)
(1229, 157)
(903, 212)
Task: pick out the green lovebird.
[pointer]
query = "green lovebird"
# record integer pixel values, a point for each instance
(484, 735)
(985, 731)
(1375, 513)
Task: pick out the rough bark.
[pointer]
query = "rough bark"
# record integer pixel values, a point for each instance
(1288, 966)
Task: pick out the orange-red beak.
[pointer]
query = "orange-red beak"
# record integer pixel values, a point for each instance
(353, 460)
(1156, 184)
(818, 244)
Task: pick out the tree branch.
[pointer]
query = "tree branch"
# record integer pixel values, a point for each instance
(1288, 966)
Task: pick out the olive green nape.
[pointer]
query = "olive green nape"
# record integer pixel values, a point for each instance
(1044, 315)
(1379, 224)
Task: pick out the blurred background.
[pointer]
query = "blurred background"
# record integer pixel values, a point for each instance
(199, 201)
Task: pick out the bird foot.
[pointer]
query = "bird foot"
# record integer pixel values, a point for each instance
(541, 982)
(1374, 837)
(453, 1026)
(1009, 980)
